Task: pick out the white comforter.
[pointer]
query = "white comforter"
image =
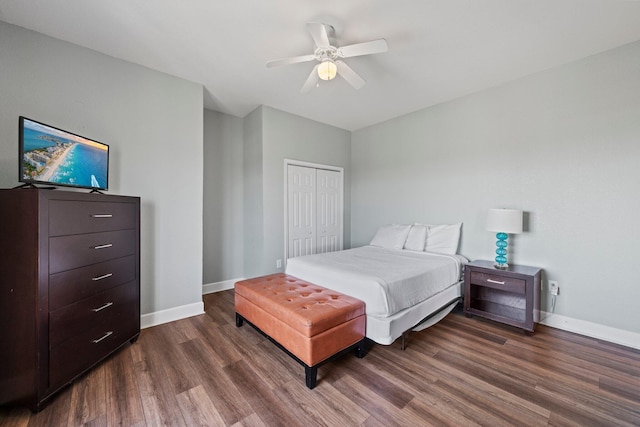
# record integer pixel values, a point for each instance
(387, 280)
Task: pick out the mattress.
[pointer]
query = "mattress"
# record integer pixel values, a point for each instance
(387, 280)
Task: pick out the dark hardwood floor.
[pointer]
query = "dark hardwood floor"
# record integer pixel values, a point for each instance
(461, 372)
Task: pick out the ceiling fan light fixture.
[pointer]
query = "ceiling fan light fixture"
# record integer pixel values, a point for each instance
(327, 70)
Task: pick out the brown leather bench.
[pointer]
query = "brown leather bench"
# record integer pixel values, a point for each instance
(311, 323)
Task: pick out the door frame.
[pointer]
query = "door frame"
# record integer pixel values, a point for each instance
(302, 163)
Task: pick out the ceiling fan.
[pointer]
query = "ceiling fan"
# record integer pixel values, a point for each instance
(330, 57)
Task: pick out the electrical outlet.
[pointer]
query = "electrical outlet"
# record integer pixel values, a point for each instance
(554, 289)
(278, 263)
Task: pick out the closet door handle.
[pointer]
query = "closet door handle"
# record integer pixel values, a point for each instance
(104, 276)
(103, 337)
(102, 216)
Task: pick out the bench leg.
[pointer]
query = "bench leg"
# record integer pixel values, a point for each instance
(239, 320)
(363, 347)
(310, 375)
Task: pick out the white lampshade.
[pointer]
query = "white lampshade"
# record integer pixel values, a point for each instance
(504, 221)
(327, 70)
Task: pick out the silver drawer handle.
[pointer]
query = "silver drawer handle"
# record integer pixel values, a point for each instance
(103, 337)
(104, 276)
(102, 216)
(108, 245)
(495, 281)
(109, 304)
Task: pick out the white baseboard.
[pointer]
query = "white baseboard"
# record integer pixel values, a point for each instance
(593, 330)
(219, 286)
(171, 314)
(184, 311)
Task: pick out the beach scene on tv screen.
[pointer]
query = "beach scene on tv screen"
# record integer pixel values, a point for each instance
(58, 157)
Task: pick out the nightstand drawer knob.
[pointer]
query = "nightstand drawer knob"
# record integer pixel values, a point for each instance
(497, 282)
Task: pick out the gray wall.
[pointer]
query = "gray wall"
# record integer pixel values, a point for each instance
(270, 137)
(153, 124)
(253, 261)
(562, 145)
(223, 197)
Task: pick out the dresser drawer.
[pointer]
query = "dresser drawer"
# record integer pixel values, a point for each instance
(77, 354)
(100, 309)
(76, 217)
(68, 252)
(508, 284)
(77, 284)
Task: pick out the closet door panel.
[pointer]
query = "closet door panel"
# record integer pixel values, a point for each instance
(314, 210)
(301, 187)
(329, 214)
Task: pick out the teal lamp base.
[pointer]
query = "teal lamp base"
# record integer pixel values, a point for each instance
(501, 251)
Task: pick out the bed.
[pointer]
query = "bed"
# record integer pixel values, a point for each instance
(403, 288)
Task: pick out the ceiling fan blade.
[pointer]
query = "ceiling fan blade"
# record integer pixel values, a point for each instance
(292, 60)
(366, 48)
(349, 75)
(311, 80)
(319, 34)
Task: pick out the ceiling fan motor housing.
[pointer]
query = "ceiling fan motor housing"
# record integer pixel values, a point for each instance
(326, 54)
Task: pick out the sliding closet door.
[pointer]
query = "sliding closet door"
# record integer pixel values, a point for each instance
(301, 184)
(329, 201)
(314, 210)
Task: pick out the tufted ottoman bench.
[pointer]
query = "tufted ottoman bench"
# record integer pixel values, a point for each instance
(309, 322)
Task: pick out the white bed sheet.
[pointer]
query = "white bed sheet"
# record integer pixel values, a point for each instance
(387, 280)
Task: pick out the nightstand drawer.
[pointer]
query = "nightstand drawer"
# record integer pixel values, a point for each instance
(508, 284)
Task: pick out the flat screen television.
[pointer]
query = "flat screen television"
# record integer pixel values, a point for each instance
(53, 156)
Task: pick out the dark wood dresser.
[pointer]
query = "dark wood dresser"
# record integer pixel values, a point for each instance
(69, 287)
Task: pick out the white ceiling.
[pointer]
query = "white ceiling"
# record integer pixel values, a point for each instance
(438, 49)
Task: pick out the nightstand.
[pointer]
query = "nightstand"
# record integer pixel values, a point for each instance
(509, 296)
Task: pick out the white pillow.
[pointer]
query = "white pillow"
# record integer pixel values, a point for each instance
(416, 238)
(443, 238)
(391, 236)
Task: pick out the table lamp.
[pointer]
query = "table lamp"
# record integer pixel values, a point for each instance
(503, 222)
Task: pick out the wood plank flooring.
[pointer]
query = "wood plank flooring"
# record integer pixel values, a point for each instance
(461, 372)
